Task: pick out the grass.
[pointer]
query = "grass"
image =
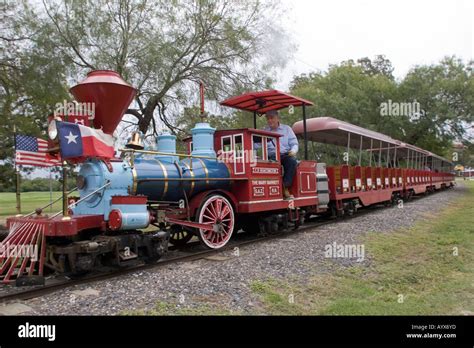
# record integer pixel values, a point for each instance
(427, 269)
(29, 202)
(165, 308)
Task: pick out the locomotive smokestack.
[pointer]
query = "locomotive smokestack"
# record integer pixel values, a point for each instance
(111, 95)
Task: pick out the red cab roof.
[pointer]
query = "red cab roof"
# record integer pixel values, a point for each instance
(264, 101)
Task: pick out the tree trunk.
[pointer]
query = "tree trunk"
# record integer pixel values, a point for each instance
(150, 107)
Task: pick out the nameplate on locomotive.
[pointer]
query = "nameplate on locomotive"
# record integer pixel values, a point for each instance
(263, 170)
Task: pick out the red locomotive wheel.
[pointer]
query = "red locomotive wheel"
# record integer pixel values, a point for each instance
(216, 211)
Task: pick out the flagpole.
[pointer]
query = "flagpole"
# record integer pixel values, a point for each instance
(18, 178)
(65, 212)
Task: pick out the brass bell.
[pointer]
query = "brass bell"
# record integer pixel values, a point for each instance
(135, 142)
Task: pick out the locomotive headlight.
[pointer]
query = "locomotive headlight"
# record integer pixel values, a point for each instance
(52, 130)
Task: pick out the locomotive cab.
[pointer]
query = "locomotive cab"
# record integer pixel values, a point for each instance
(257, 177)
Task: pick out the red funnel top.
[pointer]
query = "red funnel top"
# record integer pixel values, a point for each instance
(111, 95)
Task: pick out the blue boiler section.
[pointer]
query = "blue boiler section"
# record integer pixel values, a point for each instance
(159, 178)
(162, 180)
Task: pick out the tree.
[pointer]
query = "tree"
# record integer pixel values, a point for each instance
(32, 79)
(164, 48)
(445, 92)
(354, 92)
(348, 92)
(379, 66)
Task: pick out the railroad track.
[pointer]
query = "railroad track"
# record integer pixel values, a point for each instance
(184, 255)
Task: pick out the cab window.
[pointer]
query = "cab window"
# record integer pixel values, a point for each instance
(263, 148)
(226, 144)
(238, 146)
(258, 147)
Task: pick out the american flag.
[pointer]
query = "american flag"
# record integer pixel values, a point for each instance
(33, 152)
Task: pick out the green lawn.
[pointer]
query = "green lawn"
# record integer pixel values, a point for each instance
(29, 202)
(427, 269)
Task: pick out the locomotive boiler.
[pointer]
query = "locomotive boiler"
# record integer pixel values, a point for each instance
(158, 178)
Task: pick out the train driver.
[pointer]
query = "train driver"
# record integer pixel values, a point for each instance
(288, 148)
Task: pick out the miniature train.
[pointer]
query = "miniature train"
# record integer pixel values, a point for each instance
(131, 208)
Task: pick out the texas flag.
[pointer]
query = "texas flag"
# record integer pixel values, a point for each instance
(81, 141)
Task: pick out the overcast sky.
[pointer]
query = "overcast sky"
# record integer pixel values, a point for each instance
(406, 32)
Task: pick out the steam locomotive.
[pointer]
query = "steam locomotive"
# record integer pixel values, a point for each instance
(132, 207)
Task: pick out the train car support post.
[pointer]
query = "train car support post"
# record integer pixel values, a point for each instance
(305, 134)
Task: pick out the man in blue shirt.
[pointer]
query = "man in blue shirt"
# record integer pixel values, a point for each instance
(288, 148)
